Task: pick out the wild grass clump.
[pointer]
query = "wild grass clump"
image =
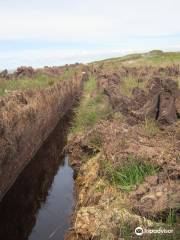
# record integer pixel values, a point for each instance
(130, 174)
(149, 127)
(90, 85)
(171, 217)
(131, 82)
(93, 107)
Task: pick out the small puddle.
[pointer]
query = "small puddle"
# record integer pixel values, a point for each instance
(40, 203)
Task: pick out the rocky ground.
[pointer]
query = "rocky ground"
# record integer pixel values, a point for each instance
(127, 158)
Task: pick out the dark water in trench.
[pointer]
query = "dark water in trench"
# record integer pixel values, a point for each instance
(39, 204)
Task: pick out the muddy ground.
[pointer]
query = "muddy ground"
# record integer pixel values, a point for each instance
(142, 129)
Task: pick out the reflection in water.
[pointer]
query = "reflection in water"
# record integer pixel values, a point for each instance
(39, 204)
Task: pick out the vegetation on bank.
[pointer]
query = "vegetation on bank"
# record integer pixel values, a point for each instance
(41, 79)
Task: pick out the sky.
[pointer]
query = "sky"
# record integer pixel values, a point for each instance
(56, 32)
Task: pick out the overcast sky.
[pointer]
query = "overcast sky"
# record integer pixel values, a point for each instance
(55, 32)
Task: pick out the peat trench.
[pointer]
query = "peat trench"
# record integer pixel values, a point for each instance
(39, 204)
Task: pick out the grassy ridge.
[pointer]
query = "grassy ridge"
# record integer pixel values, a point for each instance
(93, 107)
(155, 57)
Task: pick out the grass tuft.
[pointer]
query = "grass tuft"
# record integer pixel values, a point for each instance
(171, 218)
(149, 127)
(131, 82)
(133, 173)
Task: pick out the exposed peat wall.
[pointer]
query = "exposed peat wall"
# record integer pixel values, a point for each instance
(26, 119)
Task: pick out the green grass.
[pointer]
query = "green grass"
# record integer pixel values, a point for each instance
(131, 82)
(90, 85)
(121, 59)
(93, 107)
(40, 81)
(133, 173)
(171, 218)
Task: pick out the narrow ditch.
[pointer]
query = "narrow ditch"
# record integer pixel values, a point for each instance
(39, 204)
